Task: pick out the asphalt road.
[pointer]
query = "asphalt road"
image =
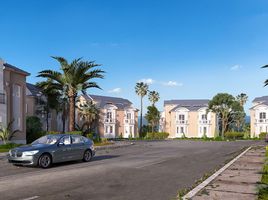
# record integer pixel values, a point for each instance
(146, 170)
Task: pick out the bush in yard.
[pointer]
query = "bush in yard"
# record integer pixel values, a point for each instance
(262, 135)
(33, 129)
(74, 132)
(157, 135)
(234, 135)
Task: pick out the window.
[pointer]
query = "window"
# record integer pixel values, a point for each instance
(205, 130)
(181, 117)
(204, 117)
(182, 130)
(177, 129)
(109, 115)
(262, 115)
(76, 139)
(66, 140)
(128, 115)
(111, 129)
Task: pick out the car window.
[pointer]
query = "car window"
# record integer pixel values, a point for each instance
(66, 140)
(76, 139)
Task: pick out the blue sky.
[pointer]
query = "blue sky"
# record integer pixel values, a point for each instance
(185, 49)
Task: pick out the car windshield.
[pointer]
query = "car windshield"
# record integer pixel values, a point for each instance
(47, 139)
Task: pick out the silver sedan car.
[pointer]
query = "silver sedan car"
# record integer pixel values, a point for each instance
(53, 148)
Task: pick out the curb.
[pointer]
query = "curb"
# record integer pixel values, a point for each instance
(202, 185)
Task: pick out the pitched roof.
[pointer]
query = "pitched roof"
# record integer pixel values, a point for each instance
(261, 99)
(190, 104)
(16, 69)
(104, 100)
(33, 89)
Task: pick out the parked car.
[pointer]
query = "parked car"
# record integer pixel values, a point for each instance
(53, 148)
(266, 138)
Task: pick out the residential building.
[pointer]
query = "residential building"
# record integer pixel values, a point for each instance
(36, 106)
(188, 118)
(117, 116)
(259, 116)
(13, 99)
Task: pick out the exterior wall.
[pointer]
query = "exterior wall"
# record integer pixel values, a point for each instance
(12, 78)
(30, 106)
(258, 125)
(191, 124)
(3, 103)
(120, 127)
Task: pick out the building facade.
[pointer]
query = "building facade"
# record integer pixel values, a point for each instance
(259, 116)
(13, 99)
(117, 116)
(188, 118)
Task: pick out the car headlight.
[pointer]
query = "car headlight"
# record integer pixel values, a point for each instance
(9, 152)
(30, 153)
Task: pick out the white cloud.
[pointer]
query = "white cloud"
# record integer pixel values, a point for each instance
(236, 67)
(172, 83)
(149, 81)
(115, 90)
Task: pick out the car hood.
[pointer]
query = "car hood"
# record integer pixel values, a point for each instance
(32, 147)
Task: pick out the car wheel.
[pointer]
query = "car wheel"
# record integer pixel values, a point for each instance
(45, 161)
(87, 156)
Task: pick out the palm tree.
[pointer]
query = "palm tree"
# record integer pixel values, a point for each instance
(141, 89)
(74, 77)
(89, 114)
(153, 97)
(242, 99)
(6, 133)
(51, 100)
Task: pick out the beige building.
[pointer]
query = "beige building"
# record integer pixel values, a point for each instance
(13, 99)
(259, 116)
(188, 118)
(35, 105)
(117, 116)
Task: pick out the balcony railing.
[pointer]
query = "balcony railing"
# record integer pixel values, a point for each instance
(2, 98)
(204, 121)
(109, 120)
(181, 121)
(262, 120)
(129, 121)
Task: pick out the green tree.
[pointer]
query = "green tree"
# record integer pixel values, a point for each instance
(227, 108)
(152, 116)
(153, 97)
(6, 133)
(242, 99)
(49, 99)
(89, 114)
(141, 90)
(74, 77)
(33, 128)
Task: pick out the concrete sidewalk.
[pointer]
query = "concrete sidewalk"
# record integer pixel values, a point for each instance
(239, 181)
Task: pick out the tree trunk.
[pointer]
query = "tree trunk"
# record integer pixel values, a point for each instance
(222, 128)
(141, 120)
(63, 118)
(47, 115)
(72, 113)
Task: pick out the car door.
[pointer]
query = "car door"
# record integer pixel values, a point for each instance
(78, 147)
(63, 152)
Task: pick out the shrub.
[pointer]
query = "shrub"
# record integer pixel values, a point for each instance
(262, 135)
(157, 135)
(74, 132)
(234, 135)
(33, 129)
(53, 132)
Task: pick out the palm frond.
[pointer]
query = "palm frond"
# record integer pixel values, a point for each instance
(265, 66)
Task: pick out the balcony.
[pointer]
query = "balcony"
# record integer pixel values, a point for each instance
(109, 120)
(129, 121)
(2, 98)
(181, 121)
(204, 122)
(261, 120)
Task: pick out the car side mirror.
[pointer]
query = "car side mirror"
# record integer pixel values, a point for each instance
(60, 144)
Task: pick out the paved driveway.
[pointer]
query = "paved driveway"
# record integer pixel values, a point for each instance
(146, 170)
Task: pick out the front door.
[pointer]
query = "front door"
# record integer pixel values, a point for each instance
(63, 152)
